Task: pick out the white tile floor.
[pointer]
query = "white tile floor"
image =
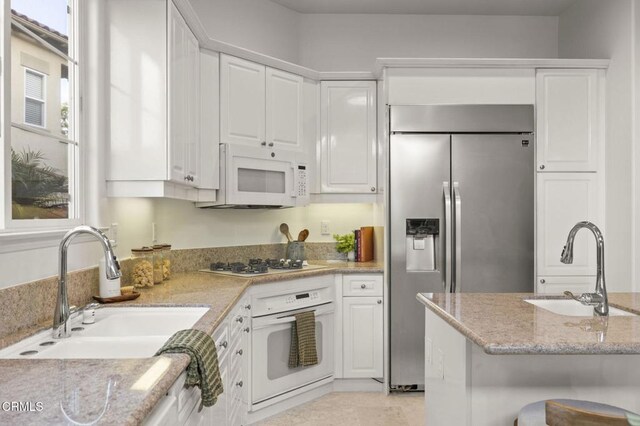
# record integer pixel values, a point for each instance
(355, 408)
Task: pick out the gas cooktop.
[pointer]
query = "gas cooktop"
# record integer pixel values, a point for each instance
(260, 267)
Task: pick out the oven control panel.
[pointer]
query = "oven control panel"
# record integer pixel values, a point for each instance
(301, 298)
(291, 297)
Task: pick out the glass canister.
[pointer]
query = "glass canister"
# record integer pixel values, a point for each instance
(142, 270)
(166, 262)
(158, 263)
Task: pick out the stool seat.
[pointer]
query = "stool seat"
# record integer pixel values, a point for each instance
(534, 414)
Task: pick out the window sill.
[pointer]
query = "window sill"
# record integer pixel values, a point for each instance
(13, 241)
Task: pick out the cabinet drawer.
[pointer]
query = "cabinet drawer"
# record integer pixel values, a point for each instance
(362, 285)
(164, 414)
(221, 337)
(558, 285)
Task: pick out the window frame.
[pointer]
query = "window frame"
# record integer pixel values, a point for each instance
(18, 232)
(43, 101)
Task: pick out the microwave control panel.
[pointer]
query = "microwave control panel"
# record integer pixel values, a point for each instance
(301, 181)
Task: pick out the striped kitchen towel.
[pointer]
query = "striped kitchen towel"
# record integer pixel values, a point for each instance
(203, 370)
(302, 351)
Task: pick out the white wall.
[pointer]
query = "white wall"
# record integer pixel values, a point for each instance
(220, 228)
(603, 29)
(257, 25)
(352, 42)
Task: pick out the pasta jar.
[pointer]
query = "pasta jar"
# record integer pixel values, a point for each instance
(166, 262)
(142, 269)
(158, 262)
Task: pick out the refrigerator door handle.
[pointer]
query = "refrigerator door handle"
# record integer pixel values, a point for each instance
(448, 239)
(457, 236)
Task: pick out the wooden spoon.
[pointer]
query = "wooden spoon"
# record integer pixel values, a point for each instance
(284, 228)
(303, 235)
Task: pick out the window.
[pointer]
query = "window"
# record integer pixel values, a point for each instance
(34, 106)
(42, 139)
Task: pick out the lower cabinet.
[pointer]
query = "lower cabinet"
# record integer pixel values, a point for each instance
(362, 326)
(362, 337)
(181, 404)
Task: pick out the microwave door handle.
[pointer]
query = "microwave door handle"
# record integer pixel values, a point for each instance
(295, 180)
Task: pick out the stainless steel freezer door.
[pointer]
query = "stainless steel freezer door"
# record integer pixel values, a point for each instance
(494, 177)
(419, 165)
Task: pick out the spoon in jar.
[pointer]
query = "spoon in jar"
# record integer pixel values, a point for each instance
(284, 228)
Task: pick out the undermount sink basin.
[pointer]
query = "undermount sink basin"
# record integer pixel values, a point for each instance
(573, 308)
(116, 333)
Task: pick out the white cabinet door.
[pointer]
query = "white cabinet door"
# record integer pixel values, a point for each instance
(565, 199)
(569, 127)
(362, 337)
(184, 101)
(284, 109)
(348, 136)
(558, 285)
(242, 101)
(178, 96)
(209, 120)
(192, 148)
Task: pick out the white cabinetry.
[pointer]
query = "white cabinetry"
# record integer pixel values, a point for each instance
(260, 106)
(362, 326)
(569, 119)
(348, 137)
(154, 83)
(570, 147)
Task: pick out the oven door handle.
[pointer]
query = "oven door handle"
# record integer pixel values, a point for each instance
(290, 318)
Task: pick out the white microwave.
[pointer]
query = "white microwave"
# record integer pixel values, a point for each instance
(256, 177)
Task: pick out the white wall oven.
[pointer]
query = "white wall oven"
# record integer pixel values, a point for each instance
(273, 314)
(254, 177)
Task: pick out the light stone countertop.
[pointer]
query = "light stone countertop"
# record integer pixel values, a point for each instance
(78, 387)
(503, 323)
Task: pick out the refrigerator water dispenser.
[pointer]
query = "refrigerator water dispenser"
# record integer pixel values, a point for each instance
(421, 244)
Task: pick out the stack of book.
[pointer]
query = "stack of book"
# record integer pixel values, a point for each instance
(364, 244)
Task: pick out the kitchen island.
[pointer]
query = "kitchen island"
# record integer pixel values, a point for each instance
(488, 355)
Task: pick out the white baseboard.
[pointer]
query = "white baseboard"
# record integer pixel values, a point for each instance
(357, 385)
(321, 388)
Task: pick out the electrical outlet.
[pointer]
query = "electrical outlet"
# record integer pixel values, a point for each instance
(113, 234)
(154, 238)
(324, 227)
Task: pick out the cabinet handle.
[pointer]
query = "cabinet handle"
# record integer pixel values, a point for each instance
(270, 143)
(247, 307)
(541, 166)
(363, 286)
(542, 281)
(239, 319)
(379, 301)
(239, 352)
(246, 330)
(239, 384)
(263, 143)
(373, 189)
(223, 345)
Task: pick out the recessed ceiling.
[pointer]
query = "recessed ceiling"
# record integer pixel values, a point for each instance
(431, 7)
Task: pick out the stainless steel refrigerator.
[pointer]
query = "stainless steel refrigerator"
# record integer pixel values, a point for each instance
(461, 214)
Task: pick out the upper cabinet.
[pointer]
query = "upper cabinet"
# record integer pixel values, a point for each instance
(569, 119)
(155, 87)
(348, 137)
(260, 106)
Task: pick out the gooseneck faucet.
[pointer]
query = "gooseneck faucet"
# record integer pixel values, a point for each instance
(112, 269)
(599, 299)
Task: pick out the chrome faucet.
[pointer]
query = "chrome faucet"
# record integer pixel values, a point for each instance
(112, 269)
(599, 299)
